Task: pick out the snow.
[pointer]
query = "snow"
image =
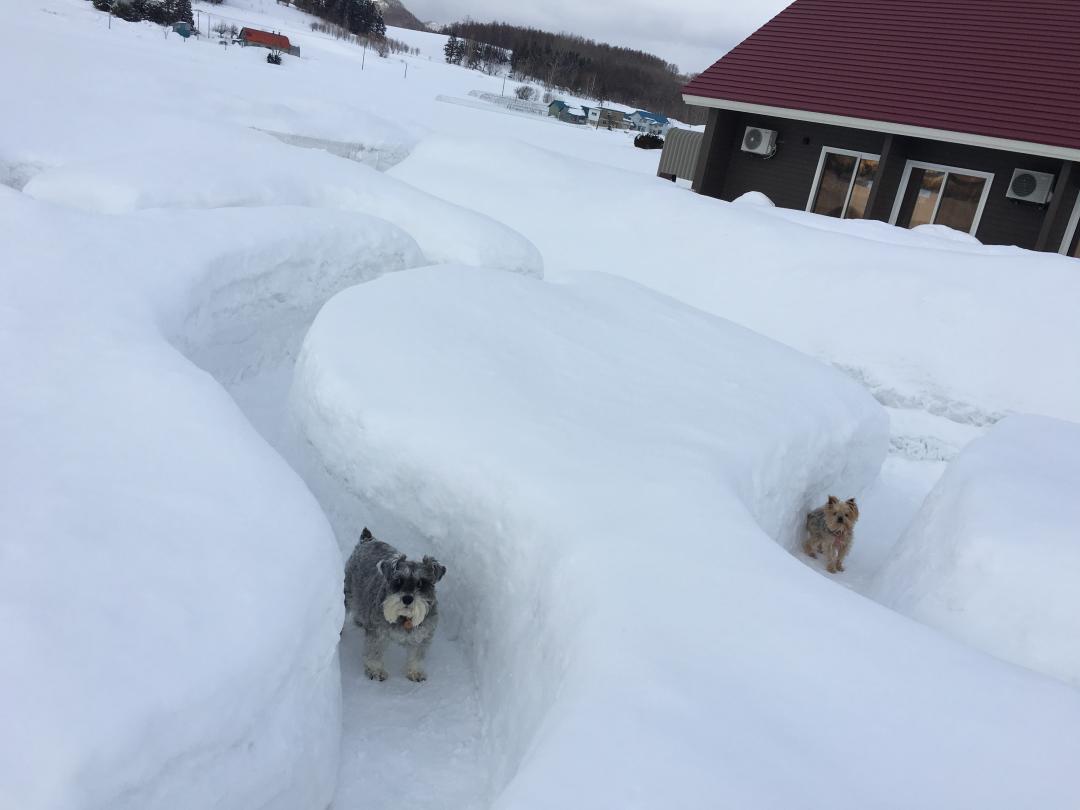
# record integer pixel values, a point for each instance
(754, 198)
(173, 216)
(947, 233)
(249, 169)
(831, 288)
(615, 478)
(154, 544)
(993, 557)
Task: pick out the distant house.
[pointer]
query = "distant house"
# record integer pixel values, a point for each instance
(265, 39)
(604, 117)
(950, 112)
(565, 112)
(649, 123)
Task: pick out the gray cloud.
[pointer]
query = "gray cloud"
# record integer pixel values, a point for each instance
(690, 33)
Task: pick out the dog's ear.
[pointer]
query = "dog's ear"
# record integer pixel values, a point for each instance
(833, 500)
(438, 570)
(388, 567)
(366, 535)
(854, 507)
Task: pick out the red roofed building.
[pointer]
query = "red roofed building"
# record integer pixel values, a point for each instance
(963, 113)
(265, 39)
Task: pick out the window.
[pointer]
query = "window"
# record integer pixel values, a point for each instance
(1070, 245)
(941, 195)
(842, 183)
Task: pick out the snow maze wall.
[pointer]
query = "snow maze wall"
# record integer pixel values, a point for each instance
(604, 471)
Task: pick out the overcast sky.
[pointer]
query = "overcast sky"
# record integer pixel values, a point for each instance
(691, 33)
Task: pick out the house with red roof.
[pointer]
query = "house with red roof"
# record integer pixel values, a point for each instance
(963, 113)
(266, 39)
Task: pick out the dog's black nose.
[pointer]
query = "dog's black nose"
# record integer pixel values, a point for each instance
(406, 599)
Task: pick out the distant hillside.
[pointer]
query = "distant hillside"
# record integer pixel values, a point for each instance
(395, 14)
(587, 68)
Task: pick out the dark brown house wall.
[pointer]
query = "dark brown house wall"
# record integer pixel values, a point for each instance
(1004, 221)
(1068, 201)
(787, 177)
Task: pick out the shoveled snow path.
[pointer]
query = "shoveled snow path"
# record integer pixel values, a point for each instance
(403, 744)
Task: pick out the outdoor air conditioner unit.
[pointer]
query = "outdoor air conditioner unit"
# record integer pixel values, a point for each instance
(759, 141)
(1033, 187)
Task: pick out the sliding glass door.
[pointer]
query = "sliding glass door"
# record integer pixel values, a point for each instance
(941, 195)
(843, 183)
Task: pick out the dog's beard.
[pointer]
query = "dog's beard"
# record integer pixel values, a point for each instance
(394, 609)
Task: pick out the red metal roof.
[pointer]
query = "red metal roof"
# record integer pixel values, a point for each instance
(998, 68)
(276, 41)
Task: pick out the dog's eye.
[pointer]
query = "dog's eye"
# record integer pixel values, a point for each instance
(397, 583)
(422, 585)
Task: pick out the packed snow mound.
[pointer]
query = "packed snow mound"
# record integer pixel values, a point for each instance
(612, 478)
(993, 557)
(946, 233)
(926, 324)
(170, 596)
(754, 198)
(256, 170)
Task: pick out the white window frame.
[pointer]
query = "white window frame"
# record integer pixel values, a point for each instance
(827, 150)
(1070, 229)
(938, 167)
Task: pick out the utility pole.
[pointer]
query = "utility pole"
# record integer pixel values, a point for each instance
(406, 68)
(363, 58)
(503, 91)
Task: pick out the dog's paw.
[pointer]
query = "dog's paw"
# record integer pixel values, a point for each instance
(376, 673)
(416, 675)
(831, 568)
(811, 554)
(839, 566)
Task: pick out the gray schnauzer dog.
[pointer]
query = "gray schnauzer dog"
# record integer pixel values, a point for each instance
(393, 599)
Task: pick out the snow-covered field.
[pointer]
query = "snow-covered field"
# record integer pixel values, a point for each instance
(246, 310)
(993, 557)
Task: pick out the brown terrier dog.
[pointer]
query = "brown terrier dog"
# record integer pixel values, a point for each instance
(830, 531)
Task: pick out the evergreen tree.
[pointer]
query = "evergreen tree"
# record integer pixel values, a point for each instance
(450, 49)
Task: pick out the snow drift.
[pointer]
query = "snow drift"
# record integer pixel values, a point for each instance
(252, 169)
(170, 591)
(993, 557)
(612, 479)
(961, 330)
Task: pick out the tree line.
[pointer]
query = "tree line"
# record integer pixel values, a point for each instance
(476, 55)
(360, 17)
(583, 67)
(383, 46)
(162, 12)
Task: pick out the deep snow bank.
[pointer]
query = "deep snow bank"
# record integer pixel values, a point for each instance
(993, 557)
(170, 591)
(926, 323)
(601, 469)
(249, 169)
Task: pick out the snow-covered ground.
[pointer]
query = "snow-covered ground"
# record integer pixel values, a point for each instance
(994, 556)
(613, 473)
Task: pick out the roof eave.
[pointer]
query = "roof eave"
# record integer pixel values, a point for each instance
(892, 128)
